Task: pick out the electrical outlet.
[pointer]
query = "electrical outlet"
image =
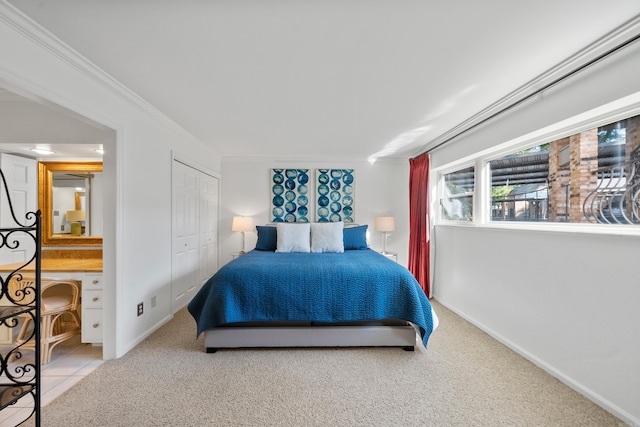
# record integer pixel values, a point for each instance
(140, 309)
(153, 301)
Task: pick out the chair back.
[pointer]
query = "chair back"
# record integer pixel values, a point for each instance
(56, 294)
(59, 295)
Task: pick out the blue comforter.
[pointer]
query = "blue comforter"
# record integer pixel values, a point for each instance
(356, 285)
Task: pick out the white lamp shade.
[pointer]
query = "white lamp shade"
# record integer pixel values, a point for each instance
(242, 223)
(385, 223)
(75, 216)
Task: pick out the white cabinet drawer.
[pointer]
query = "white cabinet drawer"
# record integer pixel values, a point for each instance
(92, 325)
(92, 308)
(91, 282)
(91, 316)
(91, 299)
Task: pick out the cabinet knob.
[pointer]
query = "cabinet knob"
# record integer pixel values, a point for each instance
(95, 325)
(95, 299)
(95, 281)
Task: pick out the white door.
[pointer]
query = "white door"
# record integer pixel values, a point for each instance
(21, 178)
(208, 226)
(21, 175)
(185, 234)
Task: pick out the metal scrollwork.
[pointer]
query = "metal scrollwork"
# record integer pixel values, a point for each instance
(19, 301)
(616, 199)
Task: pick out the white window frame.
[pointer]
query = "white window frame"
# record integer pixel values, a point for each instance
(441, 191)
(620, 109)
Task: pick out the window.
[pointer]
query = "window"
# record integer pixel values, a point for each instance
(457, 195)
(589, 177)
(519, 186)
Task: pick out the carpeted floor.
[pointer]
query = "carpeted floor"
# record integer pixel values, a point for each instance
(464, 378)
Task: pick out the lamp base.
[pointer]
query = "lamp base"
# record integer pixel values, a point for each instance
(76, 229)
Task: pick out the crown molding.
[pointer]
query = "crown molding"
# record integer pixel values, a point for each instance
(298, 160)
(625, 34)
(40, 36)
(7, 96)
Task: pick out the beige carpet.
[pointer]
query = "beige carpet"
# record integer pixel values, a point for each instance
(464, 378)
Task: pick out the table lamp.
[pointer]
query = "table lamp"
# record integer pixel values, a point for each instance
(385, 224)
(242, 224)
(75, 218)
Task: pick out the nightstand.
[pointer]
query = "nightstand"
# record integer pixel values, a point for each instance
(391, 255)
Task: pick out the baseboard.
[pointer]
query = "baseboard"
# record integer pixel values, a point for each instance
(146, 334)
(562, 377)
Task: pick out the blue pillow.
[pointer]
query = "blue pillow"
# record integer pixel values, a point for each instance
(355, 237)
(267, 238)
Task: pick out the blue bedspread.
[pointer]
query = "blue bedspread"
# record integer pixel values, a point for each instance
(356, 285)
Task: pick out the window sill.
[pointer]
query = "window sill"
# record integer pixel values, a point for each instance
(617, 230)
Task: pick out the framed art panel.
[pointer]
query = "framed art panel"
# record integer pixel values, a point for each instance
(335, 195)
(289, 195)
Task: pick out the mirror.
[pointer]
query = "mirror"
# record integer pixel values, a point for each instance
(70, 198)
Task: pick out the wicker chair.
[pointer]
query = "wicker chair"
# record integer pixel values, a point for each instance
(59, 316)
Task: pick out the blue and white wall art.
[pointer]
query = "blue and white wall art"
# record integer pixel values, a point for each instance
(289, 195)
(335, 195)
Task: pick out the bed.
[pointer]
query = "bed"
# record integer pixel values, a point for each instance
(271, 298)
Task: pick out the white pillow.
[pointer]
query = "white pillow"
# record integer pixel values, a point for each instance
(293, 237)
(327, 237)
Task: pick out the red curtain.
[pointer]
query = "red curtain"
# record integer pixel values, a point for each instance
(419, 221)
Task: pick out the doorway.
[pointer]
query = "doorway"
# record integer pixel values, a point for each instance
(34, 124)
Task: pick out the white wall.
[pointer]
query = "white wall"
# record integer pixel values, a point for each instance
(567, 301)
(137, 172)
(380, 189)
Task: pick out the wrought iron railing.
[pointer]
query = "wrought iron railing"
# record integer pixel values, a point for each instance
(616, 199)
(19, 299)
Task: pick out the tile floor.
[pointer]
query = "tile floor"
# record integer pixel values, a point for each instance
(70, 362)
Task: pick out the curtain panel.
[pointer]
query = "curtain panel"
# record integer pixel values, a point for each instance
(419, 258)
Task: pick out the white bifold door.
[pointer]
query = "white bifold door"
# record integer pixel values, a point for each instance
(195, 205)
(21, 176)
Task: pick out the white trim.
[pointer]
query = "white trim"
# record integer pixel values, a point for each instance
(146, 334)
(194, 165)
(337, 160)
(439, 174)
(118, 306)
(482, 208)
(565, 379)
(552, 227)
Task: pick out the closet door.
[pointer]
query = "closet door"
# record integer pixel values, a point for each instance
(22, 181)
(195, 207)
(209, 190)
(185, 234)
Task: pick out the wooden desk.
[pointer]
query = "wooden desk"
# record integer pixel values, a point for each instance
(83, 261)
(89, 265)
(83, 265)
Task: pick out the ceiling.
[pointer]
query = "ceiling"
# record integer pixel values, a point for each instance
(358, 79)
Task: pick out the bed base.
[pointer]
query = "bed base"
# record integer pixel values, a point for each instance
(403, 336)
